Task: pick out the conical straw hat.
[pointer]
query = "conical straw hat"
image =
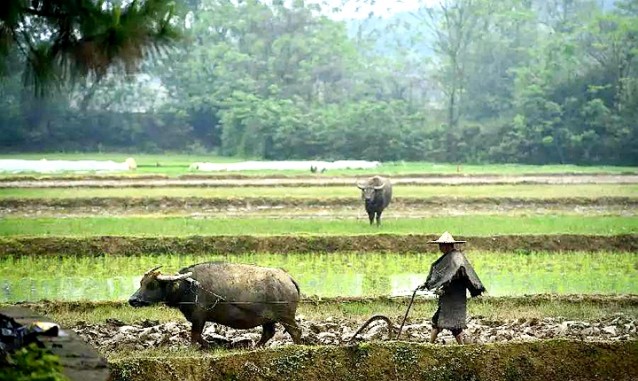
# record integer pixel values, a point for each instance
(446, 238)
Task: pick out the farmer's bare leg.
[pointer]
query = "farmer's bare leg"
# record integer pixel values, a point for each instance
(460, 338)
(433, 334)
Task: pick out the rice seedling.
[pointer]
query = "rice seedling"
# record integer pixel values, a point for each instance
(327, 275)
(483, 225)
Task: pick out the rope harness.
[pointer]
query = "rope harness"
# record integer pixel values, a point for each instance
(219, 300)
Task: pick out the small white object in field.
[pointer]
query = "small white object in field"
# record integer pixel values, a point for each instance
(131, 163)
(48, 166)
(301, 165)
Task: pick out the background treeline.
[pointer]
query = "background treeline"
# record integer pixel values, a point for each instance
(525, 81)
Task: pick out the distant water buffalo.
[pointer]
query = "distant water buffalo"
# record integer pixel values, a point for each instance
(235, 295)
(377, 193)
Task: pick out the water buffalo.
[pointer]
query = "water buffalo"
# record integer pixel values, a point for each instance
(377, 193)
(236, 295)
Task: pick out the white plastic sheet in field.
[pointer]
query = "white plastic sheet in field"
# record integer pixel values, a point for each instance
(49, 166)
(303, 165)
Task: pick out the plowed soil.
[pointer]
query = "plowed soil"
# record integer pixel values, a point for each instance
(313, 208)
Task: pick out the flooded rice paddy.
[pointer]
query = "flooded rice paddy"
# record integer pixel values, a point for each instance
(327, 275)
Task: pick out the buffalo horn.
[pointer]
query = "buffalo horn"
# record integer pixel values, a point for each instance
(151, 270)
(360, 186)
(174, 277)
(379, 186)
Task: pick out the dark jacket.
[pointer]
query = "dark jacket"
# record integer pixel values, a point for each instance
(453, 273)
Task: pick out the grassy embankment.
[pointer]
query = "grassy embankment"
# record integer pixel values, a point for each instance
(491, 308)
(183, 226)
(175, 165)
(458, 191)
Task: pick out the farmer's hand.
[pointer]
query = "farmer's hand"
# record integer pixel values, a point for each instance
(423, 287)
(439, 291)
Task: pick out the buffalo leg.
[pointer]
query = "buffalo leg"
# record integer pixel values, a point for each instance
(293, 330)
(267, 333)
(378, 218)
(196, 333)
(371, 217)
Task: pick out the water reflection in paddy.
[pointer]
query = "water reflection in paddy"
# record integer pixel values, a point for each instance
(326, 275)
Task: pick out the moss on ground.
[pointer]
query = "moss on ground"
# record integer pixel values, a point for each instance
(542, 361)
(395, 243)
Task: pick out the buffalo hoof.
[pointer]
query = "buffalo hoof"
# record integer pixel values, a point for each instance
(241, 344)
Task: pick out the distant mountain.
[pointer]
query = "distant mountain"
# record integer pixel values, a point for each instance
(402, 30)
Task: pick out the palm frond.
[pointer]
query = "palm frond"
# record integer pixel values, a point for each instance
(80, 38)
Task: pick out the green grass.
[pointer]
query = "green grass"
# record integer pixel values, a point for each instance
(460, 191)
(496, 309)
(183, 226)
(177, 164)
(327, 275)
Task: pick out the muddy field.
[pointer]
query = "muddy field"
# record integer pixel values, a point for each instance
(605, 340)
(342, 208)
(314, 181)
(115, 335)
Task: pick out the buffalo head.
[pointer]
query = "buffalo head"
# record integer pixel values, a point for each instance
(369, 191)
(153, 287)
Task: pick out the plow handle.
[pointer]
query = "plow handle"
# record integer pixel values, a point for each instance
(407, 312)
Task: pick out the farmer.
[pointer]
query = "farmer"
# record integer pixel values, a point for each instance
(449, 276)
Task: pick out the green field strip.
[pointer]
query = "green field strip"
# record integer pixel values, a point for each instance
(538, 306)
(338, 274)
(585, 263)
(479, 225)
(457, 191)
(176, 164)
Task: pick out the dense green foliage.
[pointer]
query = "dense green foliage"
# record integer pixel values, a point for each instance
(32, 363)
(466, 81)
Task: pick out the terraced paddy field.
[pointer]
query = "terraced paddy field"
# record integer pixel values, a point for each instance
(530, 337)
(558, 254)
(322, 202)
(327, 275)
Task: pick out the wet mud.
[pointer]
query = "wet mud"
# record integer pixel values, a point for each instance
(115, 335)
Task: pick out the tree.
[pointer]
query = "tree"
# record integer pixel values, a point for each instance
(62, 40)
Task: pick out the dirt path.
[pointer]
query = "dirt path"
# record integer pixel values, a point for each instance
(394, 243)
(323, 181)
